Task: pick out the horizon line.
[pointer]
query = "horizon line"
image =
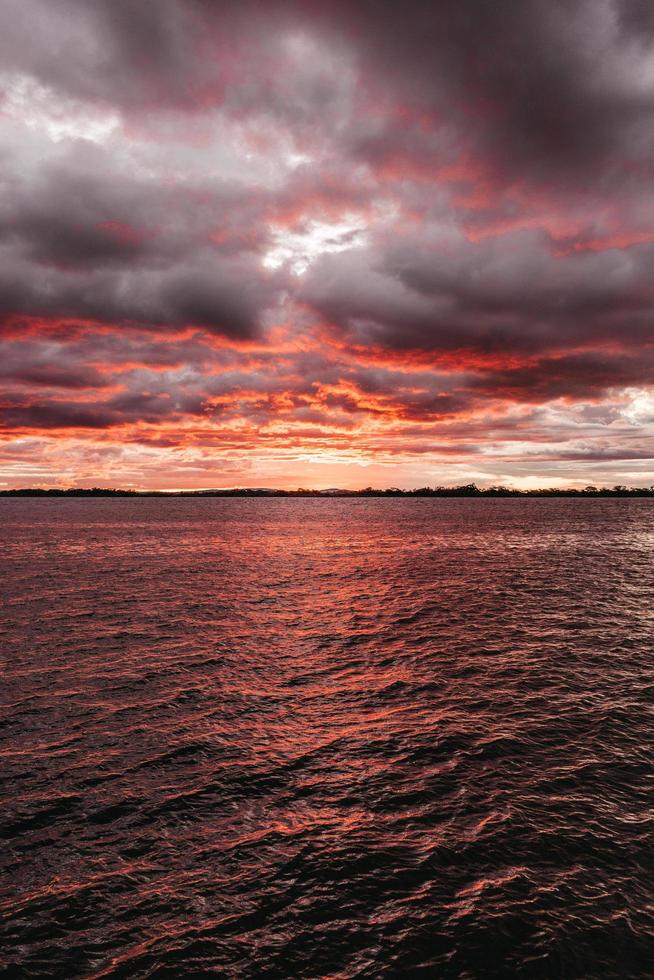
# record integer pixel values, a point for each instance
(469, 489)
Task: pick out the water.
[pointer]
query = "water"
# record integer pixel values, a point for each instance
(327, 738)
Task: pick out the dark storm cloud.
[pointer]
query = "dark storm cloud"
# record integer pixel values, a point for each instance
(170, 55)
(546, 87)
(541, 89)
(49, 366)
(224, 301)
(505, 293)
(125, 408)
(575, 376)
(83, 238)
(108, 50)
(54, 415)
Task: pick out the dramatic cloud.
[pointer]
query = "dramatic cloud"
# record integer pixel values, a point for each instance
(326, 243)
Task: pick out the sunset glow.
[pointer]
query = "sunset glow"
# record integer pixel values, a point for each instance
(326, 244)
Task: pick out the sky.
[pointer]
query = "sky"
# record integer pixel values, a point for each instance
(317, 244)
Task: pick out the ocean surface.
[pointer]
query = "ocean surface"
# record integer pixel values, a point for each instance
(327, 738)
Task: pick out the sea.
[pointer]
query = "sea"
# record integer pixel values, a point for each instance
(327, 738)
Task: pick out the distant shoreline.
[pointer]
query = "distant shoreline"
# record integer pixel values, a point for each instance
(469, 490)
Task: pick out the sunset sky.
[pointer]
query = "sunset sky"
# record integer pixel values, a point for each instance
(326, 244)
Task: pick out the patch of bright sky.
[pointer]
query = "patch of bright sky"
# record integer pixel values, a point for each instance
(298, 249)
(534, 482)
(640, 408)
(208, 147)
(40, 108)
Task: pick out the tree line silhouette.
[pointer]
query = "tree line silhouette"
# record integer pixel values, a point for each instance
(467, 490)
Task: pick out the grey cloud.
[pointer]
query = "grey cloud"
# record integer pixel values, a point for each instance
(505, 293)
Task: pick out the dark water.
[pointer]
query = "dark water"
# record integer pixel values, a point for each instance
(328, 738)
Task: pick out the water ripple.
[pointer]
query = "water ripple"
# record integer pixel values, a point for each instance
(346, 738)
